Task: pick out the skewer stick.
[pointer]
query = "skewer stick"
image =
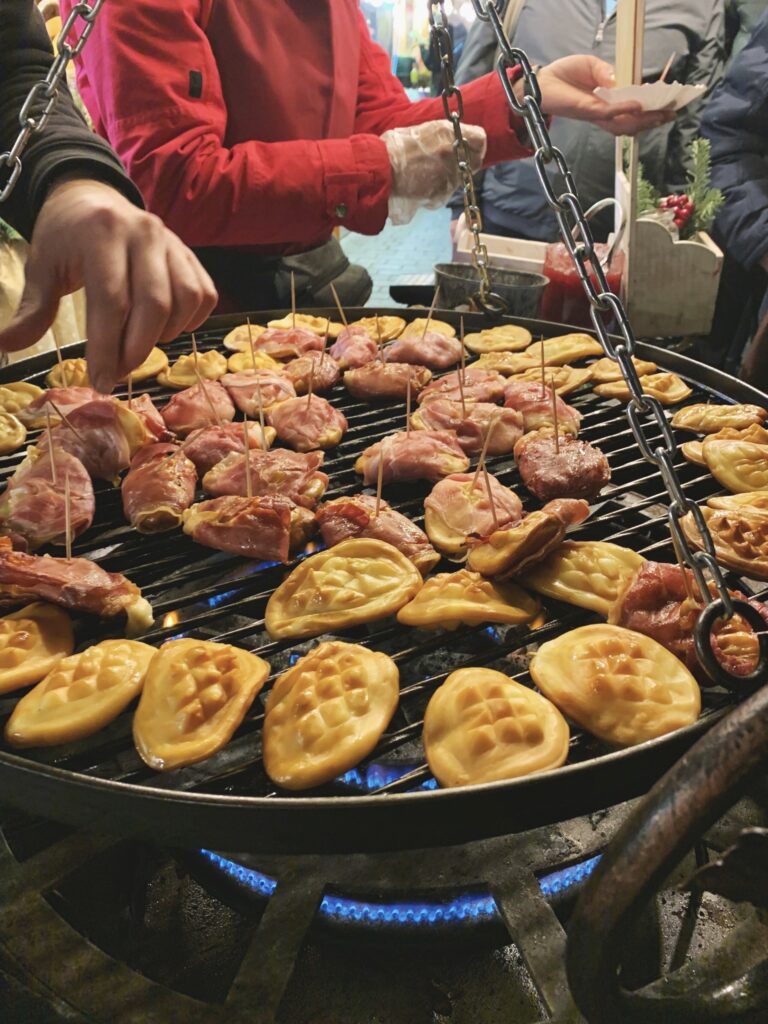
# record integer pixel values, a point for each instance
(408, 404)
(65, 419)
(250, 343)
(130, 390)
(293, 301)
(310, 384)
(67, 519)
(543, 381)
(484, 452)
(667, 66)
(431, 313)
(260, 401)
(463, 367)
(491, 502)
(338, 305)
(381, 342)
(554, 416)
(379, 480)
(209, 400)
(195, 353)
(64, 380)
(246, 448)
(50, 447)
(325, 339)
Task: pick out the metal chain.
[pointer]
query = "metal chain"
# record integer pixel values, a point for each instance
(577, 237)
(451, 93)
(41, 98)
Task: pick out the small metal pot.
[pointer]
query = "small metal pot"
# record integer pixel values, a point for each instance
(520, 290)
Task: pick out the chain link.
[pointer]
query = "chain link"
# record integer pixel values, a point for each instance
(41, 98)
(577, 237)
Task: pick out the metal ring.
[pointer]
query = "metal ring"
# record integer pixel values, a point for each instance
(492, 304)
(702, 638)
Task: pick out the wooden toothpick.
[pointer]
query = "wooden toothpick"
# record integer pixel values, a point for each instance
(130, 390)
(667, 66)
(408, 404)
(491, 502)
(543, 381)
(338, 305)
(260, 402)
(209, 400)
(310, 384)
(64, 380)
(430, 314)
(67, 518)
(461, 375)
(379, 480)
(247, 450)
(481, 463)
(463, 365)
(293, 301)
(554, 415)
(195, 354)
(66, 421)
(50, 447)
(325, 340)
(381, 342)
(250, 343)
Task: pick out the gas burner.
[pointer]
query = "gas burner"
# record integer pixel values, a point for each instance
(122, 932)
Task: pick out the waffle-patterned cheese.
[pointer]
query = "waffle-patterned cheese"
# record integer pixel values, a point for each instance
(69, 373)
(33, 641)
(482, 726)
(740, 537)
(452, 598)
(565, 378)
(510, 551)
(737, 465)
(327, 712)
(668, 388)
(13, 433)
(209, 365)
(388, 327)
(748, 500)
(621, 686)
(239, 338)
(81, 695)
(567, 348)
(509, 364)
(708, 419)
(306, 322)
(694, 450)
(240, 362)
(435, 326)
(195, 695)
(155, 363)
(17, 395)
(505, 338)
(358, 580)
(589, 574)
(606, 370)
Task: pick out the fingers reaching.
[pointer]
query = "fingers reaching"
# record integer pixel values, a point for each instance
(36, 312)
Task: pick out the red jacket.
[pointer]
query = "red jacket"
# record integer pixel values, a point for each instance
(253, 123)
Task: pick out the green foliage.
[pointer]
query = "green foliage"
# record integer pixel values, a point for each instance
(647, 196)
(706, 200)
(6, 232)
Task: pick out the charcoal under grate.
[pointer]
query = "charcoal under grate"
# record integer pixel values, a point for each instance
(390, 800)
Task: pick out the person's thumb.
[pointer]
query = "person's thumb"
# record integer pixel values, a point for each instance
(36, 312)
(477, 140)
(602, 73)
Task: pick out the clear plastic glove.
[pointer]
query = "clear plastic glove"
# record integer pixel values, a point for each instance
(424, 168)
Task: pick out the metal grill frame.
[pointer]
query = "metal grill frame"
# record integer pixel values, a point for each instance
(340, 824)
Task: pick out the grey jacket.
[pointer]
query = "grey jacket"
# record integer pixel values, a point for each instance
(548, 29)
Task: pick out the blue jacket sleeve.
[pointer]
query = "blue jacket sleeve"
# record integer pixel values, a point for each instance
(736, 123)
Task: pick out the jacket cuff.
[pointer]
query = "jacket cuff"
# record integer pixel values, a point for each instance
(507, 133)
(357, 180)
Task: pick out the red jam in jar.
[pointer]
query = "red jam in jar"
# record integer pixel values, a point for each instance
(564, 300)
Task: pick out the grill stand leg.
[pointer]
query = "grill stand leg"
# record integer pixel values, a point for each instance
(268, 964)
(534, 927)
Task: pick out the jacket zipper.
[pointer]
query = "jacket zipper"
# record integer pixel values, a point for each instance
(601, 26)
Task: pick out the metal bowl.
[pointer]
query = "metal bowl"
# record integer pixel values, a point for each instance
(520, 290)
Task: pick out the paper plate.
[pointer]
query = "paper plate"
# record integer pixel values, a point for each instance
(653, 95)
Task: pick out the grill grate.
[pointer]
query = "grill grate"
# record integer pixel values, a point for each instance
(209, 595)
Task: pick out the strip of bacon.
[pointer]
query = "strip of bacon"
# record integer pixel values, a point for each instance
(418, 455)
(471, 423)
(295, 475)
(437, 351)
(207, 446)
(308, 423)
(32, 507)
(323, 369)
(157, 489)
(190, 409)
(66, 400)
(75, 583)
(354, 347)
(257, 527)
(378, 382)
(104, 435)
(479, 386)
(244, 387)
(356, 517)
(535, 403)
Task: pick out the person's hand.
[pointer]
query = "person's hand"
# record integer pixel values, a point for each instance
(424, 168)
(142, 284)
(567, 90)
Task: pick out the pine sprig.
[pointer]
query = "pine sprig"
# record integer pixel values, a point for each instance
(647, 196)
(7, 233)
(706, 200)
